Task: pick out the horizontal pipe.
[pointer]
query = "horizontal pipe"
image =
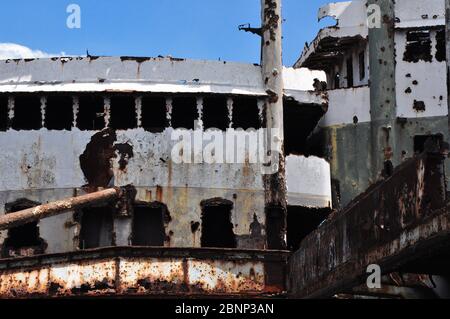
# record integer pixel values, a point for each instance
(59, 207)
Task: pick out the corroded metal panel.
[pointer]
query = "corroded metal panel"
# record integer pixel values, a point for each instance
(145, 272)
(383, 226)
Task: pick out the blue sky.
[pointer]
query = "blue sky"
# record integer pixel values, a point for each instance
(198, 29)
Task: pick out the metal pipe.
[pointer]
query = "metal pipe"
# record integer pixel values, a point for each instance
(59, 207)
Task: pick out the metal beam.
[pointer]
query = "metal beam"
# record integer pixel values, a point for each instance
(397, 222)
(56, 208)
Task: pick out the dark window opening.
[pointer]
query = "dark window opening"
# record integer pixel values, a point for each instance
(300, 121)
(96, 228)
(362, 65)
(440, 46)
(337, 81)
(418, 46)
(27, 113)
(154, 114)
(246, 113)
(91, 113)
(184, 112)
(315, 145)
(123, 113)
(217, 229)
(276, 227)
(23, 240)
(350, 72)
(302, 221)
(59, 113)
(429, 143)
(3, 112)
(215, 113)
(388, 169)
(148, 225)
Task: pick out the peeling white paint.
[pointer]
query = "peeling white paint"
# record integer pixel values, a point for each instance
(308, 181)
(351, 19)
(419, 13)
(158, 75)
(427, 82)
(301, 79)
(346, 106)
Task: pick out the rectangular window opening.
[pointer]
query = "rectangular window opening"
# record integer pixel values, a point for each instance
(123, 112)
(148, 225)
(362, 65)
(91, 113)
(184, 112)
(154, 114)
(440, 46)
(418, 46)
(96, 228)
(59, 113)
(27, 112)
(275, 227)
(350, 72)
(302, 221)
(424, 143)
(215, 113)
(217, 229)
(3, 112)
(246, 113)
(23, 240)
(300, 120)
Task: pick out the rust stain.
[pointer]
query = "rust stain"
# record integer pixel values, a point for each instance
(386, 221)
(143, 275)
(96, 160)
(159, 194)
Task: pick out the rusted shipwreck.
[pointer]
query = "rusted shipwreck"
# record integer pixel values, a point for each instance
(98, 199)
(93, 203)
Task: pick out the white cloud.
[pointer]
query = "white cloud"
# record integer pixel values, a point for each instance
(17, 51)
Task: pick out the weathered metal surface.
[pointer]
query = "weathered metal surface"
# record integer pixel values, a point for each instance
(421, 85)
(59, 207)
(341, 112)
(128, 74)
(382, 91)
(153, 272)
(390, 225)
(371, 127)
(332, 42)
(272, 72)
(310, 186)
(419, 14)
(145, 74)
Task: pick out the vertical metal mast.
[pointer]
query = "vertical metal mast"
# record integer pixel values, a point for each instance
(272, 71)
(382, 92)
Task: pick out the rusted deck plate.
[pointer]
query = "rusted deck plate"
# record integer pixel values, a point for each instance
(153, 272)
(394, 223)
